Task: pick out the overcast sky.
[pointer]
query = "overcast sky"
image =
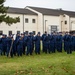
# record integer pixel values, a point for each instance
(55, 4)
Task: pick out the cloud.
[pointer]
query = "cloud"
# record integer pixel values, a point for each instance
(64, 4)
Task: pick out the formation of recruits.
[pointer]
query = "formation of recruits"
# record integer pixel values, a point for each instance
(28, 43)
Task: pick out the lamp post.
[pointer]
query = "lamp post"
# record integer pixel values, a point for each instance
(45, 24)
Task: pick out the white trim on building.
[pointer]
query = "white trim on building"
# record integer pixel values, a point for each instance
(39, 20)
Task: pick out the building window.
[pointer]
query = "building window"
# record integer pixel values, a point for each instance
(33, 21)
(26, 32)
(18, 32)
(1, 32)
(34, 32)
(10, 32)
(26, 20)
(65, 22)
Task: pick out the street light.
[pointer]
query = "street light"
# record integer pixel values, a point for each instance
(45, 24)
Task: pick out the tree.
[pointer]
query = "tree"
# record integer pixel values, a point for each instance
(3, 15)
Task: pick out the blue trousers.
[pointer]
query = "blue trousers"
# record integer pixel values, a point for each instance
(19, 50)
(37, 48)
(29, 50)
(8, 51)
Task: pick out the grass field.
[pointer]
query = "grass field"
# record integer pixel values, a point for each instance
(44, 64)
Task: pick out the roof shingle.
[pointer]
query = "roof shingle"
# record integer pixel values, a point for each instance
(54, 12)
(20, 11)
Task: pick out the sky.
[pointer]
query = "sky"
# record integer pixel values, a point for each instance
(52, 4)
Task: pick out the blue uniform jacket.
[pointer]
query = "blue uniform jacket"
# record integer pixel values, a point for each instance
(29, 40)
(20, 43)
(37, 40)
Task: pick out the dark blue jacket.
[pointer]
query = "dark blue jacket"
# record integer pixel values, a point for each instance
(52, 39)
(4, 42)
(59, 38)
(37, 40)
(0, 44)
(20, 43)
(25, 40)
(9, 42)
(46, 39)
(67, 42)
(29, 40)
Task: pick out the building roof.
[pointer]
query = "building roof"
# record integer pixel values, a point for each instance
(20, 11)
(54, 12)
(70, 13)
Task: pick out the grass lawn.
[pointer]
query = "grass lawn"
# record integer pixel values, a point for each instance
(44, 64)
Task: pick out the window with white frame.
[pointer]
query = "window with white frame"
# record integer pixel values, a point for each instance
(10, 32)
(33, 20)
(1, 32)
(65, 22)
(26, 20)
(34, 32)
(18, 32)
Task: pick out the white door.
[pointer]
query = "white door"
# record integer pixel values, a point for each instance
(73, 26)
